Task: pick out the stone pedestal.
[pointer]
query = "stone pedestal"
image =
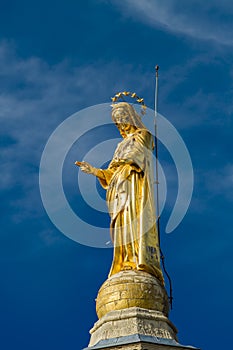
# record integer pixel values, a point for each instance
(131, 321)
(134, 329)
(133, 307)
(139, 342)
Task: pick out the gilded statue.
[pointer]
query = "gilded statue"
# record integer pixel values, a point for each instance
(129, 184)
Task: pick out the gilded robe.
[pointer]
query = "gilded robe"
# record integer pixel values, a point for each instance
(130, 197)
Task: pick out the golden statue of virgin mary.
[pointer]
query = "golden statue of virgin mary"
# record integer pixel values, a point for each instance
(128, 181)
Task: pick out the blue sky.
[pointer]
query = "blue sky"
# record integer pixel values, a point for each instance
(57, 58)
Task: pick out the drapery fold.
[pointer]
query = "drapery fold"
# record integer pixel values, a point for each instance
(130, 197)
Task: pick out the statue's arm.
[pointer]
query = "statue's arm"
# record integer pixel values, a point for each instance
(104, 176)
(87, 168)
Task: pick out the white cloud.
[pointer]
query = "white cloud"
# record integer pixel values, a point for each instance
(209, 20)
(34, 99)
(200, 103)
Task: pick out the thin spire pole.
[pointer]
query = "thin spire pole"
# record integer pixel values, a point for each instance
(157, 180)
(156, 149)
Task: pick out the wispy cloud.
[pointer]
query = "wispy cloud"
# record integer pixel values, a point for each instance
(209, 20)
(34, 99)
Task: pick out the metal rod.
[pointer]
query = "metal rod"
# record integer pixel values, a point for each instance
(157, 181)
(156, 149)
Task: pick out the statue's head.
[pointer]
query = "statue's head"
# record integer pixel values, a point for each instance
(123, 113)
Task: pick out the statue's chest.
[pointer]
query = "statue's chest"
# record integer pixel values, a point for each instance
(124, 147)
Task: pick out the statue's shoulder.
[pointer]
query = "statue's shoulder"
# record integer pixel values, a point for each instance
(144, 137)
(143, 133)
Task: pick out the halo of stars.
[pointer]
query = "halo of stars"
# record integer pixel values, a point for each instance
(120, 95)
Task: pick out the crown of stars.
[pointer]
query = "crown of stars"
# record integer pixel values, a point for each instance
(120, 95)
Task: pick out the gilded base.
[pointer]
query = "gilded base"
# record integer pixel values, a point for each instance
(131, 288)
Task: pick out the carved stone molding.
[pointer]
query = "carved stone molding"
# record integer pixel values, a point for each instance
(120, 323)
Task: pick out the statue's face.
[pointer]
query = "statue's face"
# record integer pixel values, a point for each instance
(120, 115)
(122, 120)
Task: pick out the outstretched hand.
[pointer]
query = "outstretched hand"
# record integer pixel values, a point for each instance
(86, 167)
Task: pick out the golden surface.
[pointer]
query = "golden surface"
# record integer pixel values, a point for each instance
(131, 289)
(130, 195)
(120, 95)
